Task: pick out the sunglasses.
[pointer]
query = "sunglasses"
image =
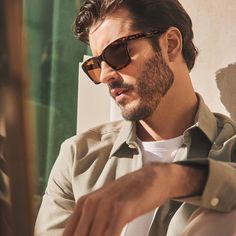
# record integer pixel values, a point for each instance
(116, 55)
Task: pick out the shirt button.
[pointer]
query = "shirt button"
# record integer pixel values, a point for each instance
(132, 146)
(215, 201)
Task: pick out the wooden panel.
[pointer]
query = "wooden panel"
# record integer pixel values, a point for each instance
(13, 92)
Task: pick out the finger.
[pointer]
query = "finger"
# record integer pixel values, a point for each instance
(74, 218)
(101, 219)
(87, 216)
(121, 216)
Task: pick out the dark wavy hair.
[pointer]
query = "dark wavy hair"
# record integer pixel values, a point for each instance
(145, 14)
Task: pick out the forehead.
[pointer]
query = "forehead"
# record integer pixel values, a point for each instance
(114, 26)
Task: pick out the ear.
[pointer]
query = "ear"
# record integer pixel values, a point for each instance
(173, 43)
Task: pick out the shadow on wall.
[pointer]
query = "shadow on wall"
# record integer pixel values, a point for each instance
(226, 83)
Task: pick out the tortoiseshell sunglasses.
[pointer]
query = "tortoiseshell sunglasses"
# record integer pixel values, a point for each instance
(116, 55)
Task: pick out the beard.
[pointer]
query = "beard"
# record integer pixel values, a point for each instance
(154, 81)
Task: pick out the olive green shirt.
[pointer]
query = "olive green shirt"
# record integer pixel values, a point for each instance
(90, 160)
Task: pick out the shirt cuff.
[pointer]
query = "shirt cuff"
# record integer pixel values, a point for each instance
(219, 192)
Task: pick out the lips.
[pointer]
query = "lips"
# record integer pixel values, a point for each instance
(118, 91)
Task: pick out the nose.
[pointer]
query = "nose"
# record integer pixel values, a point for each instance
(107, 73)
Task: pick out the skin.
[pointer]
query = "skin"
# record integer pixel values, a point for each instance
(151, 85)
(106, 211)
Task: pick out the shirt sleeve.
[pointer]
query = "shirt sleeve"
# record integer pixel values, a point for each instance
(219, 192)
(58, 201)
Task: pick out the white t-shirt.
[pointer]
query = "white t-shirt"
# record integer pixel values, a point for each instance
(157, 151)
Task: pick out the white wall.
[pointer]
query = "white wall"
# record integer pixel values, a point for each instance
(215, 69)
(214, 24)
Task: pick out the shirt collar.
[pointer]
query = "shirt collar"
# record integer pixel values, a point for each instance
(204, 120)
(126, 135)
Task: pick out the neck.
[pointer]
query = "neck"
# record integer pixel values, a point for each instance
(175, 113)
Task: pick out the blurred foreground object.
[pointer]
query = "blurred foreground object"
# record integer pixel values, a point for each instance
(16, 155)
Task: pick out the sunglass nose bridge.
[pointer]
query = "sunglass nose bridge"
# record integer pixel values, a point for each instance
(100, 59)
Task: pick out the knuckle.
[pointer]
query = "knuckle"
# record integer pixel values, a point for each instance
(86, 202)
(89, 202)
(81, 200)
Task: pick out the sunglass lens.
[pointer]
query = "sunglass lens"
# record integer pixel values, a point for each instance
(117, 55)
(92, 68)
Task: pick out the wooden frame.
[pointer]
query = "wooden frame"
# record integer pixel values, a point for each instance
(13, 91)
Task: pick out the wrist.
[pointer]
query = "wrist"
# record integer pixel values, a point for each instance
(186, 181)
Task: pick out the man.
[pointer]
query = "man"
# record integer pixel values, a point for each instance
(169, 166)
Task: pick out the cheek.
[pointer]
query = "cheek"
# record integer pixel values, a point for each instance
(132, 72)
(139, 56)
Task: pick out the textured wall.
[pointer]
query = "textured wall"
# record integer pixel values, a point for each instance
(214, 74)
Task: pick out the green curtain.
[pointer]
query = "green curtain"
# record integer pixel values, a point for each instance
(53, 57)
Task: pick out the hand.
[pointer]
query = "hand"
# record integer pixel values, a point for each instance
(106, 211)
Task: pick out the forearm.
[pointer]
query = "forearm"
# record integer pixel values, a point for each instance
(189, 180)
(133, 195)
(183, 181)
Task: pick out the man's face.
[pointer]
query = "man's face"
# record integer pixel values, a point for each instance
(139, 87)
